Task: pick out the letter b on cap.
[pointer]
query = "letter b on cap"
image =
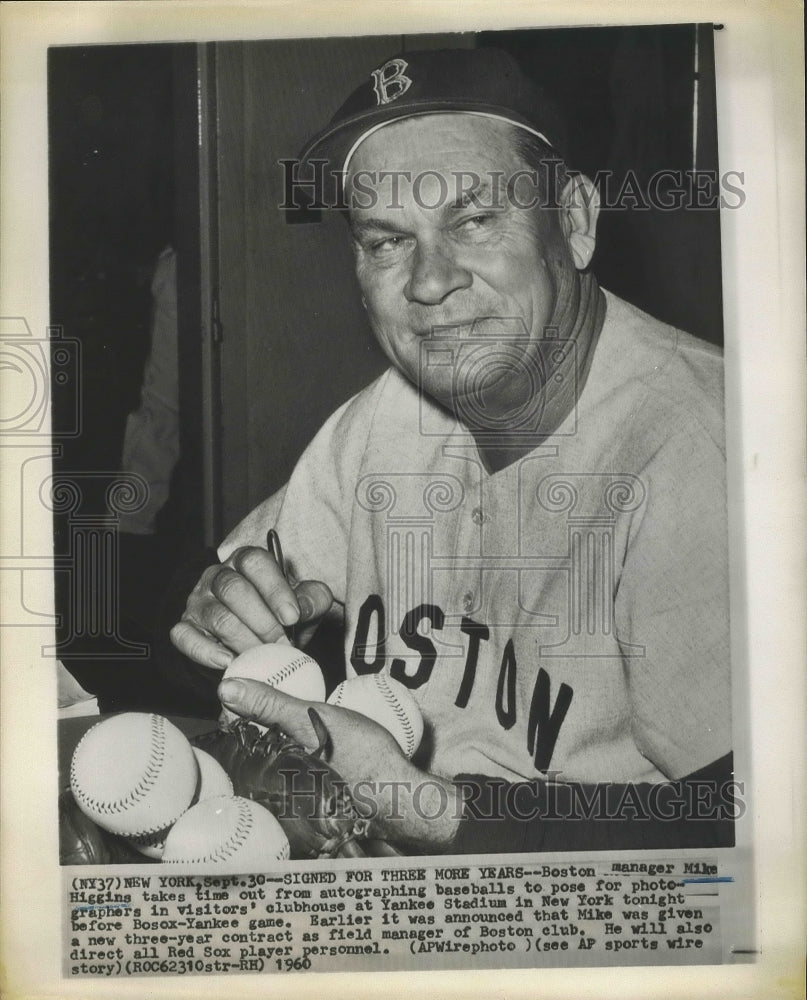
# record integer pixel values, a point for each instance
(390, 81)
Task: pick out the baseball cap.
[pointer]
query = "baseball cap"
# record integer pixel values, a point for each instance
(484, 81)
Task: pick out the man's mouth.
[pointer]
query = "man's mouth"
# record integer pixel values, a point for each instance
(455, 329)
(494, 328)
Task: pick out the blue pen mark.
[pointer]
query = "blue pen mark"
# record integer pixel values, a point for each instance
(713, 878)
(102, 906)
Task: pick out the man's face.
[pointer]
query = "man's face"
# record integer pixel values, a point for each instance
(425, 260)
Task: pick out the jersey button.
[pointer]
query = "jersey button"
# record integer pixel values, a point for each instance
(478, 516)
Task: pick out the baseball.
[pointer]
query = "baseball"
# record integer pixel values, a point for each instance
(212, 781)
(386, 701)
(282, 666)
(134, 774)
(235, 834)
(151, 845)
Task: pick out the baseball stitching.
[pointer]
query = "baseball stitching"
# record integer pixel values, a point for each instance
(389, 696)
(235, 841)
(289, 669)
(233, 844)
(403, 718)
(142, 788)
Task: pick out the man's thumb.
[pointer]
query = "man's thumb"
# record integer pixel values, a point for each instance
(232, 693)
(266, 705)
(315, 599)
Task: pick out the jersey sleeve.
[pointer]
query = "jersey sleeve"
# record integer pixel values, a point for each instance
(671, 607)
(697, 811)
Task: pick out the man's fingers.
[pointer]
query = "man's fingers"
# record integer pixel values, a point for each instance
(242, 599)
(314, 598)
(199, 647)
(212, 617)
(265, 704)
(246, 602)
(259, 567)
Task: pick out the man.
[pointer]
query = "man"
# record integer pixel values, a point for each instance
(523, 520)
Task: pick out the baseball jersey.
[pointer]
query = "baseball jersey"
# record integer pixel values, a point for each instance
(566, 616)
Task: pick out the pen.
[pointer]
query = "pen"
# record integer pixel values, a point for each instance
(274, 546)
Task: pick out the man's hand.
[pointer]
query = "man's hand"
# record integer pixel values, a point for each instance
(407, 805)
(244, 602)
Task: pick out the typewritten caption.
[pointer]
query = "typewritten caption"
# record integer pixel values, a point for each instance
(436, 916)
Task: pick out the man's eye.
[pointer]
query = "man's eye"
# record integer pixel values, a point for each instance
(476, 222)
(388, 243)
(387, 249)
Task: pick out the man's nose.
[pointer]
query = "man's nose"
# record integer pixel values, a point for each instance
(434, 276)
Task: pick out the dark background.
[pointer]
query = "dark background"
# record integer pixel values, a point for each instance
(111, 213)
(128, 176)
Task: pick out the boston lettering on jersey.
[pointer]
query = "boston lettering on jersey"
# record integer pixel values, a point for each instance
(545, 718)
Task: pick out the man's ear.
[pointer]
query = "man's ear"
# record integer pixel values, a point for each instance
(580, 209)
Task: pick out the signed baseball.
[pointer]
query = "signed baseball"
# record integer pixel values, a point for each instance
(134, 774)
(235, 834)
(387, 702)
(283, 667)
